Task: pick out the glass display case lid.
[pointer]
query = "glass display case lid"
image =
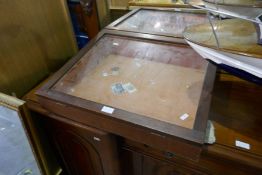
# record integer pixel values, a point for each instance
(159, 21)
(157, 3)
(156, 80)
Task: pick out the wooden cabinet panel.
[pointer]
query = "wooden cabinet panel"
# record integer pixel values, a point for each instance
(36, 39)
(84, 150)
(77, 152)
(140, 164)
(215, 160)
(156, 167)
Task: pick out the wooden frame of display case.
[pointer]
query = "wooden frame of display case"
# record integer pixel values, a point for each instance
(114, 25)
(19, 106)
(182, 141)
(133, 3)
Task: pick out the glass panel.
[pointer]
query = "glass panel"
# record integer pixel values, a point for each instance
(166, 22)
(16, 155)
(156, 80)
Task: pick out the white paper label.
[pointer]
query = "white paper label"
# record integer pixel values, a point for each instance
(184, 116)
(242, 144)
(177, 10)
(97, 139)
(107, 110)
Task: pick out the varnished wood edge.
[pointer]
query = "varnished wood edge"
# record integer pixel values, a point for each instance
(205, 99)
(123, 18)
(158, 127)
(133, 3)
(196, 136)
(10, 102)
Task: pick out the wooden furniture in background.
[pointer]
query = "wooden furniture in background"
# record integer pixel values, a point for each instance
(159, 21)
(36, 39)
(133, 4)
(87, 18)
(118, 4)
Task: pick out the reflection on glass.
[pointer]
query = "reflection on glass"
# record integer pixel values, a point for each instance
(16, 156)
(157, 21)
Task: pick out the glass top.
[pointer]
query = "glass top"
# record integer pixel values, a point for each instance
(242, 40)
(159, 21)
(153, 79)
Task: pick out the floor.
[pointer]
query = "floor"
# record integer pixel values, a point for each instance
(16, 156)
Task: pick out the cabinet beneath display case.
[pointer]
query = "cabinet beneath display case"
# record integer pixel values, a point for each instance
(84, 150)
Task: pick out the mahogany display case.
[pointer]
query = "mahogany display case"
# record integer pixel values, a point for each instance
(141, 87)
(235, 115)
(164, 22)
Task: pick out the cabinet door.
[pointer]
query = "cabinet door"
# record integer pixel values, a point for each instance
(83, 150)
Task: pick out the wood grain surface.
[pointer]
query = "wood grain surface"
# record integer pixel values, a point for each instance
(236, 113)
(36, 38)
(234, 35)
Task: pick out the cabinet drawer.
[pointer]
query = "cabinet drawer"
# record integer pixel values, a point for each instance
(135, 163)
(164, 156)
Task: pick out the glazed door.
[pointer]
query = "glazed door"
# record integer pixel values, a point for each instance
(83, 150)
